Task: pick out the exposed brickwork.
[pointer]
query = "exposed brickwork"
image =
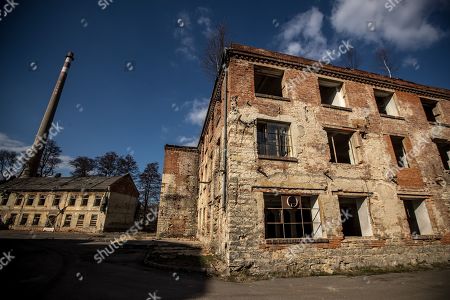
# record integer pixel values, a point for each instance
(235, 228)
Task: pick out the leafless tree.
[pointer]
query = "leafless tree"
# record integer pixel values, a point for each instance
(83, 166)
(386, 61)
(50, 159)
(7, 160)
(352, 59)
(150, 186)
(127, 164)
(107, 164)
(212, 56)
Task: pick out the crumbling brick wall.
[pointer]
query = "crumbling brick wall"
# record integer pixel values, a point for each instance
(177, 215)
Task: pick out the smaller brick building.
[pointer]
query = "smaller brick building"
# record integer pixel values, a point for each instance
(84, 204)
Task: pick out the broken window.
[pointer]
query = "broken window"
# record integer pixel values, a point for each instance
(30, 200)
(84, 201)
(429, 106)
(291, 216)
(444, 153)
(67, 221)
(341, 148)
(330, 93)
(385, 103)
(56, 200)
(50, 221)
(36, 219)
(93, 221)
(41, 200)
(273, 139)
(24, 219)
(72, 201)
(417, 215)
(80, 221)
(268, 81)
(19, 200)
(354, 216)
(399, 150)
(97, 201)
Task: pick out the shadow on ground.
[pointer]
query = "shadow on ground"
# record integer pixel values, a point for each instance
(67, 269)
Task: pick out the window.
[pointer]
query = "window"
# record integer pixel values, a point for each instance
(36, 219)
(93, 221)
(268, 81)
(330, 93)
(273, 139)
(84, 201)
(72, 201)
(444, 153)
(51, 221)
(19, 200)
(12, 219)
(291, 216)
(30, 200)
(97, 201)
(417, 215)
(67, 221)
(56, 200)
(24, 219)
(385, 103)
(41, 200)
(341, 149)
(355, 216)
(80, 221)
(429, 106)
(4, 199)
(399, 150)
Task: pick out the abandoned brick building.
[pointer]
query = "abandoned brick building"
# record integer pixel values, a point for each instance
(304, 169)
(83, 204)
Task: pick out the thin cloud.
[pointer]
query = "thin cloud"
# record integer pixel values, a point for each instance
(197, 111)
(188, 141)
(184, 35)
(7, 143)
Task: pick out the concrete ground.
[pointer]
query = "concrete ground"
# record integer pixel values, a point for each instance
(65, 267)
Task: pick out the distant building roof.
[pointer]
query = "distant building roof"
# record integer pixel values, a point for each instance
(90, 183)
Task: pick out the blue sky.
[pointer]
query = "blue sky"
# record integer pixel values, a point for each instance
(136, 82)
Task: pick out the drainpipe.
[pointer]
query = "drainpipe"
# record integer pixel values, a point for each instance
(225, 136)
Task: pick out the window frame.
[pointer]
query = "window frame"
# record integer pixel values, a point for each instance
(40, 199)
(269, 72)
(401, 160)
(80, 220)
(30, 198)
(85, 200)
(36, 220)
(93, 220)
(391, 101)
(434, 105)
(423, 222)
(280, 146)
(339, 92)
(352, 154)
(67, 220)
(362, 213)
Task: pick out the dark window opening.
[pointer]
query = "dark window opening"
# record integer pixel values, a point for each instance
(268, 81)
(72, 201)
(444, 153)
(80, 221)
(350, 217)
(385, 103)
(430, 109)
(411, 216)
(12, 219)
(50, 221)
(4, 200)
(273, 139)
(30, 200)
(399, 150)
(24, 219)
(97, 201)
(67, 221)
(36, 219)
(93, 221)
(56, 200)
(330, 93)
(84, 201)
(340, 147)
(19, 200)
(287, 216)
(41, 200)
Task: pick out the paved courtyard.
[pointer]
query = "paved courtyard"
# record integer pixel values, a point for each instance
(65, 268)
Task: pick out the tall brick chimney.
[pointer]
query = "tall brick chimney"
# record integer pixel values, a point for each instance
(32, 166)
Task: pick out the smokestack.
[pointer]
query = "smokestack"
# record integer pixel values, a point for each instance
(42, 135)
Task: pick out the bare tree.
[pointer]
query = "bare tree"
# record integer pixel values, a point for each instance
(384, 57)
(212, 56)
(352, 59)
(107, 164)
(127, 164)
(83, 166)
(150, 185)
(7, 160)
(50, 159)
